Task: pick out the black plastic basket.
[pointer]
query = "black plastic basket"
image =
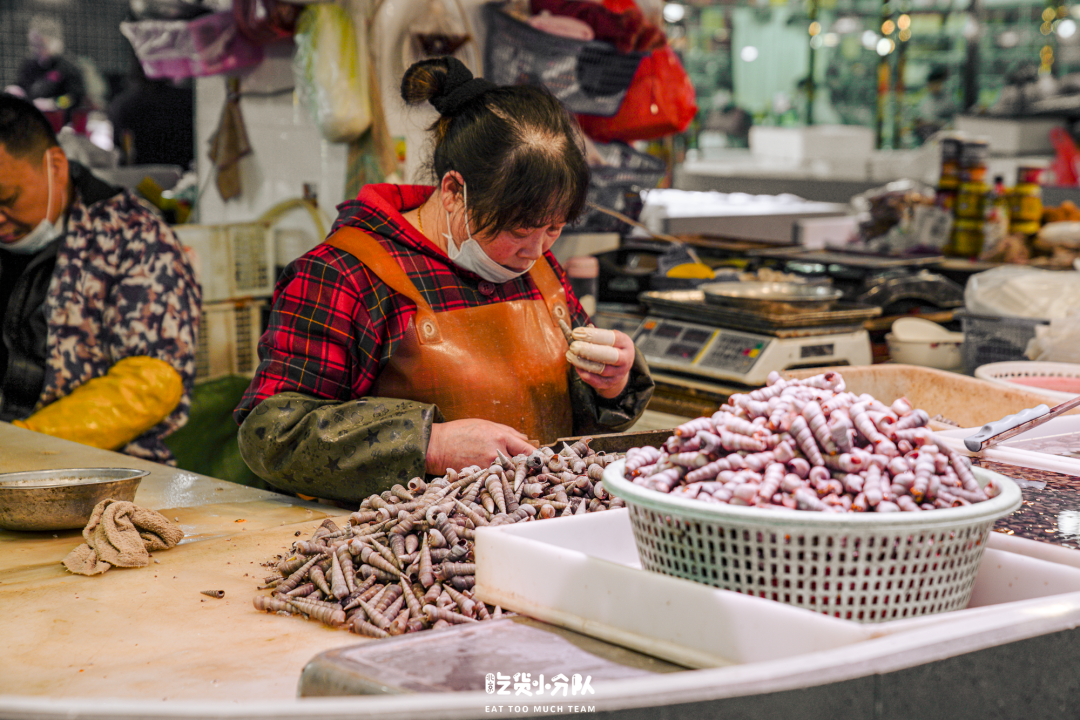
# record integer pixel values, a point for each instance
(587, 77)
(995, 339)
(618, 185)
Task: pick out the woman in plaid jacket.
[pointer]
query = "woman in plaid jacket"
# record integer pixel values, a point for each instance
(424, 334)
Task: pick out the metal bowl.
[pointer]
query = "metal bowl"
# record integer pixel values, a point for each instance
(772, 297)
(61, 499)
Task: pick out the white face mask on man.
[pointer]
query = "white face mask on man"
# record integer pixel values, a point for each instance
(45, 232)
(470, 256)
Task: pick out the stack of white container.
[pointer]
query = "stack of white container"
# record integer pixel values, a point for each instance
(235, 265)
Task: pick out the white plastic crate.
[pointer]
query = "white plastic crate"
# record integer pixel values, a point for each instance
(231, 261)
(229, 338)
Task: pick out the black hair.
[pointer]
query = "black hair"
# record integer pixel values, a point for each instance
(24, 130)
(520, 153)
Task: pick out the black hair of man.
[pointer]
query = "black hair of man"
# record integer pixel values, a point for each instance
(24, 130)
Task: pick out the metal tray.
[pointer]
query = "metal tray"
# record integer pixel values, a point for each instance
(61, 499)
(690, 305)
(774, 297)
(864, 261)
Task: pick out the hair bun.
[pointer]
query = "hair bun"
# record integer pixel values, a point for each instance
(459, 88)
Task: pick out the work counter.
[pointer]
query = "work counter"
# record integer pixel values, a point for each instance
(146, 642)
(148, 633)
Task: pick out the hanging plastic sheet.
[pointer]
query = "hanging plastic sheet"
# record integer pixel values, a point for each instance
(331, 70)
(176, 49)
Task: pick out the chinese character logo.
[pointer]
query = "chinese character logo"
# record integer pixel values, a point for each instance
(582, 687)
(497, 684)
(524, 684)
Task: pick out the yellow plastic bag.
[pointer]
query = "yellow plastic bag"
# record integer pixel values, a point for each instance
(112, 410)
(331, 71)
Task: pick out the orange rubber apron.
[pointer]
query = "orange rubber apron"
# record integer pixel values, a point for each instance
(504, 362)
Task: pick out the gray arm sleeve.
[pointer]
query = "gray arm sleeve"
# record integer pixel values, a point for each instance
(343, 451)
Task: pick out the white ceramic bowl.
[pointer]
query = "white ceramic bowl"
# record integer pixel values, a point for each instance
(941, 354)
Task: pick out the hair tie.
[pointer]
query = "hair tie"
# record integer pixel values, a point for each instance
(463, 88)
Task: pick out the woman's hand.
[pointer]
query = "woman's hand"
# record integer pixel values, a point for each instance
(611, 381)
(461, 443)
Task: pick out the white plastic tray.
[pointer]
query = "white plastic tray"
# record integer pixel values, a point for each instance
(1020, 450)
(583, 573)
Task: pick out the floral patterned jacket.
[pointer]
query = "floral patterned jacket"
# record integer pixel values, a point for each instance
(121, 286)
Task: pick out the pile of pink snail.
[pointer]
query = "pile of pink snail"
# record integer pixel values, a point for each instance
(810, 445)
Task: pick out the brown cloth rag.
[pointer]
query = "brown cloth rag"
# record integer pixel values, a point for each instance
(121, 533)
(229, 143)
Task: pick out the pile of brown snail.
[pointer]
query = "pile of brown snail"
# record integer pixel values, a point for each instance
(405, 562)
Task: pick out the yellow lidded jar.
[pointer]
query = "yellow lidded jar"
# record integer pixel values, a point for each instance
(1025, 228)
(1025, 203)
(971, 200)
(967, 238)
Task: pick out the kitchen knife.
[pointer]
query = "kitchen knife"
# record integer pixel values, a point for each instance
(1013, 425)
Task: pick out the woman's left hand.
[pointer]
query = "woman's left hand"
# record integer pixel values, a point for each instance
(610, 382)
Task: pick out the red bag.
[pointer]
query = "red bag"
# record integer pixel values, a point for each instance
(661, 101)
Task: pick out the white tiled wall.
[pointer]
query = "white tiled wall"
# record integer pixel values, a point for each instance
(288, 150)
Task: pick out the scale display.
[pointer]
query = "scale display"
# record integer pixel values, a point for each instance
(739, 356)
(684, 344)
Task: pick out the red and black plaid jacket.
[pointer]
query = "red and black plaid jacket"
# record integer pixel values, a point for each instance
(334, 324)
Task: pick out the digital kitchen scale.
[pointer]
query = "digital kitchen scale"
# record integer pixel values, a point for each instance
(743, 357)
(682, 333)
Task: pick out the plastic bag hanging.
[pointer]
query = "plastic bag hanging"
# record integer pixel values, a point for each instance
(331, 71)
(208, 45)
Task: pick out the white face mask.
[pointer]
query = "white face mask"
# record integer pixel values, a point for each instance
(45, 232)
(470, 256)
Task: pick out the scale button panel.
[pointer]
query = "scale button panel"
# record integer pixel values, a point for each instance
(735, 352)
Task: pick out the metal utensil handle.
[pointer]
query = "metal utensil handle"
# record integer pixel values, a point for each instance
(1013, 425)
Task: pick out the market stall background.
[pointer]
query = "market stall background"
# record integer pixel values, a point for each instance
(784, 65)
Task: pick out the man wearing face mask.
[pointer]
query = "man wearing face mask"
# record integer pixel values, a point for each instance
(98, 302)
(424, 334)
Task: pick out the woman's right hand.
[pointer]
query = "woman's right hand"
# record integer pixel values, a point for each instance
(461, 443)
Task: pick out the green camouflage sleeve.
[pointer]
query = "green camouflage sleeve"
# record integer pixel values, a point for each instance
(596, 415)
(334, 450)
